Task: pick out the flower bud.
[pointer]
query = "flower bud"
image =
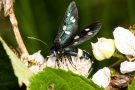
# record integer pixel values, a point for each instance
(103, 49)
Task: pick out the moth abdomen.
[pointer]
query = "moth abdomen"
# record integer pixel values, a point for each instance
(85, 55)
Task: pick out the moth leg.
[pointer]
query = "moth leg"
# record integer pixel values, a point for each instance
(71, 61)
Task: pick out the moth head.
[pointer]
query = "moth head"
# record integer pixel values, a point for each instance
(55, 49)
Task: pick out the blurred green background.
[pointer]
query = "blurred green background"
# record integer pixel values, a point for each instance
(42, 18)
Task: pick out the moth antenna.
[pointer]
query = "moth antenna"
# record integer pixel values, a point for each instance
(38, 40)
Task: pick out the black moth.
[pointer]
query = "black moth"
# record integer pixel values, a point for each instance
(67, 37)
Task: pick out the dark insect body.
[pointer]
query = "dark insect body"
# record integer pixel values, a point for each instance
(67, 37)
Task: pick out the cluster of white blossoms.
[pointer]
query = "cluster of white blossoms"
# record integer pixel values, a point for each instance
(124, 42)
(78, 66)
(36, 63)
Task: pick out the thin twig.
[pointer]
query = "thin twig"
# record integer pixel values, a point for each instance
(18, 37)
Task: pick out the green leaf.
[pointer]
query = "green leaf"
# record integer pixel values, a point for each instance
(20, 70)
(57, 79)
(132, 85)
(8, 81)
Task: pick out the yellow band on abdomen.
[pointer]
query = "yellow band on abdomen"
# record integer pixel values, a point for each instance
(80, 53)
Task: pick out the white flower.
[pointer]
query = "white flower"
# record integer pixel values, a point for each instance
(34, 68)
(34, 62)
(127, 67)
(102, 77)
(124, 41)
(103, 49)
(37, 57)
(76, 65)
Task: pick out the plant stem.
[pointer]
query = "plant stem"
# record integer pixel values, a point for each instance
(119, 56)
(18, 37)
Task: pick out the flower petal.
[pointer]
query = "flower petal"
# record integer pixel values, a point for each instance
(127, 67)
(103, 49)
(37, 57)
(124, 41)
(97, 54)
(102, 77)
(76, 65)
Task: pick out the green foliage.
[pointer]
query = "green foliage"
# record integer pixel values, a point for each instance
(132, 85)
(57, 79)
(20, 70)
(8, 81)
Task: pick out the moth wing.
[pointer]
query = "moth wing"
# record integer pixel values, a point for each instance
(69, 25)
(86, 34)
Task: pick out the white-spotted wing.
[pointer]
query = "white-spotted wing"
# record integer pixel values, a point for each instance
(69, 25)
(86, 34)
